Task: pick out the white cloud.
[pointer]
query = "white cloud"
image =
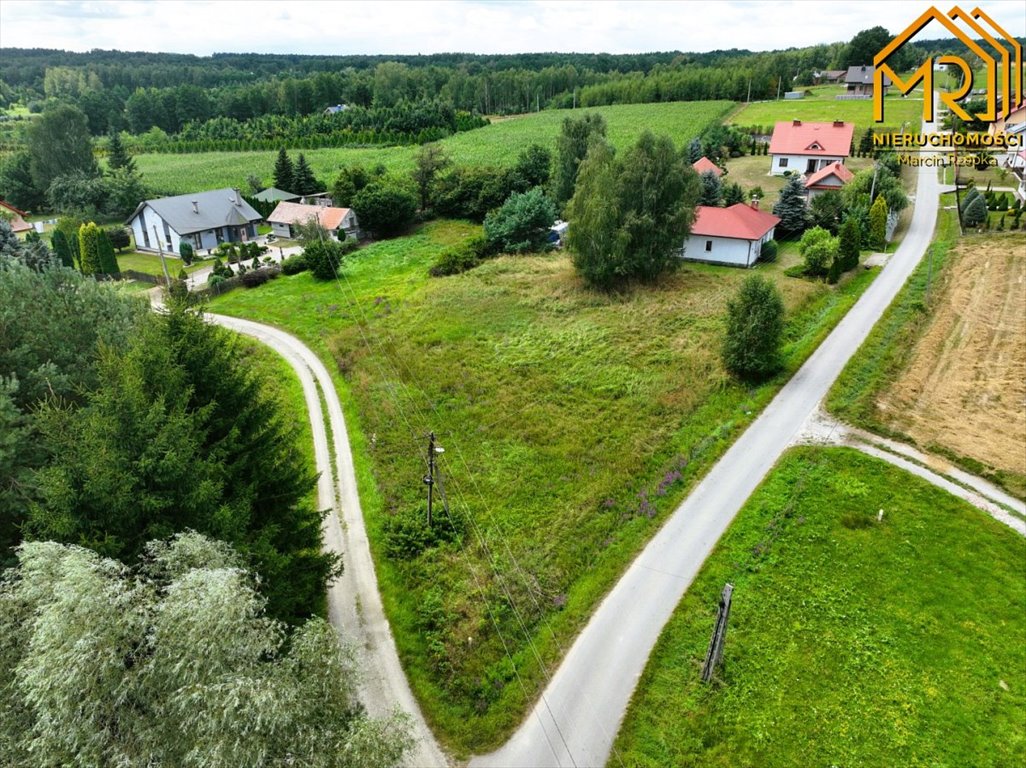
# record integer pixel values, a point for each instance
(305, 26)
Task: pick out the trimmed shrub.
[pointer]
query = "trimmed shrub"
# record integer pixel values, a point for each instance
(293, 265)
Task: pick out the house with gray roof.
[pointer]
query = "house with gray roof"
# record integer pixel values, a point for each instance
(859, 81)
(202, 219)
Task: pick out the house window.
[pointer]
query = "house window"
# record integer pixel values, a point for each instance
(708, 245)
(783, 162)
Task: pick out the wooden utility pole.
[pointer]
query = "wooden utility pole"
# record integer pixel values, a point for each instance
(714, 656)
(163, 264)
(429, 479)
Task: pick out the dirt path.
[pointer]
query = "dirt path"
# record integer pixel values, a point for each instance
(354, 604)
(821, 429)
(964, 387)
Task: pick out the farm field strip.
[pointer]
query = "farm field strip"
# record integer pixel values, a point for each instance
(495, 144)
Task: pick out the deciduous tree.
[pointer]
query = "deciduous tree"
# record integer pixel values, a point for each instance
(385, 207)
(755, 322)
(59, 144)
(173, 662)
(630, 215)
(428, 162)
(575, 138)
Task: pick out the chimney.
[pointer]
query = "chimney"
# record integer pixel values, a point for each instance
(838, 124)
(796, 123)
(755, 203)
(195, 206)
(238, 197)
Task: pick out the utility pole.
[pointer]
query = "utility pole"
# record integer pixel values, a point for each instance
(749, 99)
(163, 264)
(714, 656)
(429, 478)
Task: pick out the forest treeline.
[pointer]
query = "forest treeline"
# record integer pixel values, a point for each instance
(135, 92)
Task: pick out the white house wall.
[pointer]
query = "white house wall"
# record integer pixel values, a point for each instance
(798, 163)
(152, 219)
(724, 250)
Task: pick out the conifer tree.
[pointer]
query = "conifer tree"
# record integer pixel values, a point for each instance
(89, 249)
(878, 222)
(117, 155)
(849, 245)
(755, 322)
(790, 207)
(303, 181)
(62, 248)
(108, 261)
(284, 174)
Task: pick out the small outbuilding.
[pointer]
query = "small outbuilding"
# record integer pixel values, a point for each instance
(705, 165)
(16, 218)
(829, 178)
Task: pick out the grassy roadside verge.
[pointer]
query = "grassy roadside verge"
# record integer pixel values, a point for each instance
(561, 370)
(890, 345)
(851, 641)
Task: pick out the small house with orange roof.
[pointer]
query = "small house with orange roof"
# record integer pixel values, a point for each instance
(340, 222)
(733, 236)
(829, 178)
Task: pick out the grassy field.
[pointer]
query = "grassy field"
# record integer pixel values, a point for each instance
(495, 144)
(572, 422)
(960, 395)
(852, 642)
(823, 107)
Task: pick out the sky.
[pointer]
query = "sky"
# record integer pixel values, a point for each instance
(203, 27)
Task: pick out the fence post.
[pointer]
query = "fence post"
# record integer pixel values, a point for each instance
(714, 656)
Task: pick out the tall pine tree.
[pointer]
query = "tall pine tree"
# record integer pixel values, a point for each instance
(303, 181)
(117, 155)
(284, 174)
(62, 248)
(790, 207)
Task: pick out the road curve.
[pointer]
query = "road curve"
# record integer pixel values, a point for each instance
(354, 605)
(578, 715)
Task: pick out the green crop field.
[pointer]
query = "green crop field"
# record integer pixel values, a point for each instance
(573, 422)
(495, 144)
(824, 107)
(852, 641)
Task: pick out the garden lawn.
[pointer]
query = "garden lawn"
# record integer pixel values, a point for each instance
(572, 423)
(149, 263)
(497, 144)
(851, 642)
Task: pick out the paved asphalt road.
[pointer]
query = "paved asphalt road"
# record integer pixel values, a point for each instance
(578, 715)
(354, 605)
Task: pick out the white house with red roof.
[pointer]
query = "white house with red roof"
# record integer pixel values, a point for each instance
(705, 165)
(801, 147)
(732, 236)
(340, 222)
(827, 179)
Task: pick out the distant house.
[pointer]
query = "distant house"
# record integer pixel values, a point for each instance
(16, 218)
(340, 222)
(202, 219)
(829, 76)
(275, 195)
(826, 179)
(1014, 122)
(336, 108)
(806, 147)
(731, 236)
(705, 165)
(859, 81)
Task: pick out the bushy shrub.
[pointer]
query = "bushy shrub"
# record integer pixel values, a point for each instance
(294, 264)
(407, 533)
(461, 258)
(755, 322)
(256, 277)
(323, 257)
(769, 251)
(185, 250)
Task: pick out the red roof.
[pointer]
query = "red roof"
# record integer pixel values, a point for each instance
(739, 221)
(295, 213)
(794, 137)
(18, 223)
(704, 165)
(834, 169)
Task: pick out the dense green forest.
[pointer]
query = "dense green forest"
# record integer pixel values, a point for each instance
(138, 91)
